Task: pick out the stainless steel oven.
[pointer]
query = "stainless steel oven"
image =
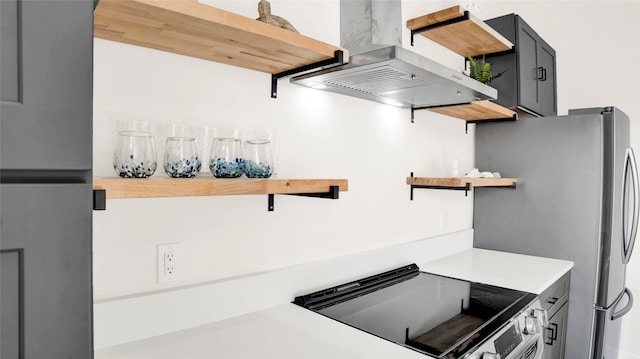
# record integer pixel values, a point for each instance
(438, 316)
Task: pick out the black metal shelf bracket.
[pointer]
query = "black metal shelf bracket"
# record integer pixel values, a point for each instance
(336, 60)
(513, 118)
(414, 109)
(270, 197)
(99, 199)
(466, 188)
(334, 193)
(467, 122)
(420, 30)
(512, 50)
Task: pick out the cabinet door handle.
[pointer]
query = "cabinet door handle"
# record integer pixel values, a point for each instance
(542, 74)
(552, 300)
(553, 335)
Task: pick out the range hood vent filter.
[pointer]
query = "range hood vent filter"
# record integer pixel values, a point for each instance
(376, 81)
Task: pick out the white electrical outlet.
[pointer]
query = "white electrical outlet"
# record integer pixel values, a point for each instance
(169, 259)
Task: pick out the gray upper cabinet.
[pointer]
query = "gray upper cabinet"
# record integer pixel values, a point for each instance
(528, 81)
(46, 88)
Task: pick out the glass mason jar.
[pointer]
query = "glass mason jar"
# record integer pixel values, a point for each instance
(181, 159)
(258, 159)
(135, 154)
(226, 158)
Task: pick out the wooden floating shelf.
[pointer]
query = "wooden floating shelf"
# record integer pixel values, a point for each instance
(477, 111)
(461, 182)
(458, 183)
(209, 186)
(460, 32)
(190, 28)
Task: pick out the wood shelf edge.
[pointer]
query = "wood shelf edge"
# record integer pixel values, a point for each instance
(120, 188)
(476, 111)
(492, 182)
(202, 31)
(461, 182)
(450, 36)
(434, 18)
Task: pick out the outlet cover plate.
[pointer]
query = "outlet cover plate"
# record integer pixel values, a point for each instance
(169, 262)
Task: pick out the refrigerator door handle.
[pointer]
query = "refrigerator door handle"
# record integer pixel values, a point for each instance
(619, 314)
(630, 168)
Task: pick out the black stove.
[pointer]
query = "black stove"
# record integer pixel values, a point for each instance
(438, 316)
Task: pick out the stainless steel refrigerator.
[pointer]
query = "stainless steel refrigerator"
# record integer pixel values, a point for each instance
(576, 199)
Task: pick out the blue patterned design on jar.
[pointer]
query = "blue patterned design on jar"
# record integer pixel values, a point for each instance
(135, 169)
(257, 169)
(181, 157)
(183, 168)
(221, 168)
(258, 158)
(135, 155)
(226, 157)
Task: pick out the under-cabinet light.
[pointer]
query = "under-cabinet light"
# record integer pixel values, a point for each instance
(318, 86)
(392, 102)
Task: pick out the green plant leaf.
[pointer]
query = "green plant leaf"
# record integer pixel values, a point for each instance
(486, 72)
(472, 67)
(480, 70)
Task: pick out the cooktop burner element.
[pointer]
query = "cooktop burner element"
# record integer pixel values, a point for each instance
(438, 316)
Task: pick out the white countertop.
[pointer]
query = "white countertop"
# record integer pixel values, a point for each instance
(515, 271)
(285, 331)
(288, 331)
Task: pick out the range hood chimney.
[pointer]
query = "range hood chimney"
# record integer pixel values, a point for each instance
(380, 70)
(367, 25)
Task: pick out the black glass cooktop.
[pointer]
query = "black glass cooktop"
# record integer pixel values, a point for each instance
(436, 315)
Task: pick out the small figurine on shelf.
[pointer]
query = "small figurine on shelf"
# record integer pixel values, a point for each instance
(264, 9)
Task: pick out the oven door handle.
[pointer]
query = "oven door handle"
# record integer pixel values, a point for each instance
(540, 348)
(526, 352)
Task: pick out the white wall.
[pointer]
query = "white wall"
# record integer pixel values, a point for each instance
(327, 135)
(323, 135)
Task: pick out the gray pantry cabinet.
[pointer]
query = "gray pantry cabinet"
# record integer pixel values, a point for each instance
(528, 80)
(47, 51)
(46, 196)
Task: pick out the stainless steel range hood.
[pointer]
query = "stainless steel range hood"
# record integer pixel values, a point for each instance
(380, 70)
